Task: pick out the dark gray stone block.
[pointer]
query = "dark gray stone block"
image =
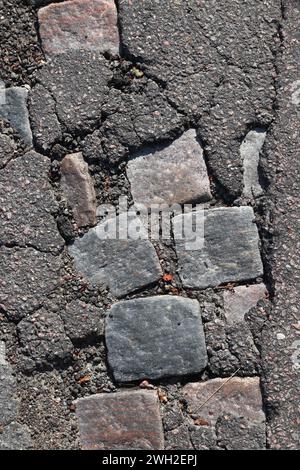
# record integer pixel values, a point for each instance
(154, 337)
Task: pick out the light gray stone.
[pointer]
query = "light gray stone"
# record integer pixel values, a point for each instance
(239, 397)
(27, 277)
(124, 265)
(154, 337)
(15, 111)
(173, 174)
(240, 300)
(119, 421)
(230, 251)
(27, 204)
(79, 24)
(78, 187)
(249, 150)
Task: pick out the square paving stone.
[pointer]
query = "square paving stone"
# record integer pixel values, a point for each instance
(239, 397)
(79, 24)
(120, 421)
(230, 251)
(154, 337)
(124, 265)
(170, 174)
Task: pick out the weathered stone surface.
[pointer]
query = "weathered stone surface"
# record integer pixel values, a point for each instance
(230, 251)
(77, 185)
(43, 338)
(239, 301)
(15, 111)
(240, 397)
(28, 204)
(236, 433)
(154, 337)
(8, 403)
(27, 276)
(123, 265)
(79, 24)
(170, 174)
(82, 320)
(119, 421)
(250, 149)
(73, 93)
(15, 436)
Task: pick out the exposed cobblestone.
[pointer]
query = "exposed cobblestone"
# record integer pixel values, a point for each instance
(238, 397)
(155, 337)
(78, 188)
(124, 265)
(175, 174)
(79, 24)
(124, 420)
(230, 251)
(14, 109)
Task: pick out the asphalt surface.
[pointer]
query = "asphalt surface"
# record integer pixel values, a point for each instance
(281, 345)
(221, 67)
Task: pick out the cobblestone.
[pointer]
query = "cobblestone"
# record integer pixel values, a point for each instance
(79, 24)
(230, 251)
(250, 150)
(15, 111)
(173, 174)
(78, 188)
(237, 397)
(123, 265)
(123, 420)
(155, 337)
(239, 301)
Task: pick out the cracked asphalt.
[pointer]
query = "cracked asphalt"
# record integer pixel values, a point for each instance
(227, 69)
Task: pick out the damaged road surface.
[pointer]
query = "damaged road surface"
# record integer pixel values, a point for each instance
(126, 127)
